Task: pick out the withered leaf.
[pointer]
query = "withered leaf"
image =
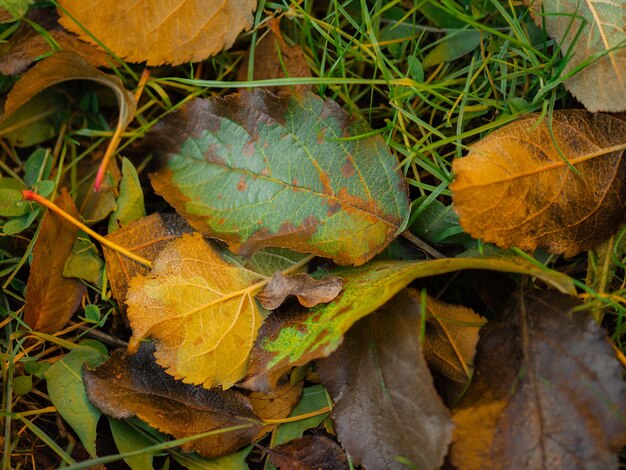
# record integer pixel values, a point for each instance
(515, 187)
(309, 453)
(289, 339)
(134, 385)
(26, 44)
(145, 237)
(160, 31)
(200, 310)
(52, 299)
(257, 170)
(386, 406)
(547, 393)
(451, 338)
(309, 291)
(589, 28)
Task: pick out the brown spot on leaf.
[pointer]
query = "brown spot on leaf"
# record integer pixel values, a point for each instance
(347, 170)
(321, 137)
(242, 186)
(294, 182)
(249, 147)
(328, 189)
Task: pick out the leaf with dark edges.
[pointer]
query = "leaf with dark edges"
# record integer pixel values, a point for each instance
(309, 453)
(309, 291)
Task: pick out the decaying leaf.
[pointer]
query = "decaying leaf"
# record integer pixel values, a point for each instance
(276, 404)
(159, 31)
(145, 237)
(547, 393)
(584, 30)
(516, 188)
(451, 338)
(309, 291)
(257, 170)
(26, 44)
(386, 406)
(274, 58)
(288, 339)
(309, 453)
(52, 299)
(127, 386)
(201, 311)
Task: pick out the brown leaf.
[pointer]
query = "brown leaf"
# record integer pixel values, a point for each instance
(276, 404)
(52, 299)
(309, 453)
(547, 392)
(515, 188)
(451, 338)
(146, 237)
(385, 403)
(160, 31)
(274, 58)
(127, 386)
(309, 291)
(26, 44)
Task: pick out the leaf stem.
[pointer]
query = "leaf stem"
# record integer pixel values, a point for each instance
(422, 245)
(31, 196)
(291, 419)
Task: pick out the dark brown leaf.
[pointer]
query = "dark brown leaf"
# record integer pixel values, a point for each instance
(127, 386)
(309, 453)
(52, 299)
(547, 392)
(310, 292)
(146, 237)
(386, 406)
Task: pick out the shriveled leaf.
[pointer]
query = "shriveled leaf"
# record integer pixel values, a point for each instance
(274, 58)
(201, 311)
(67, 392)
(589, 31)
(309, 453)
(515, 187)
(159, 31)
(258, 170)
(26, 44)
(130, 205)
(548, 392)
(291, 339)
(451, 338)
(52, 299)
(135, 385)
(145, 237)
(386, 406)
(309, 291)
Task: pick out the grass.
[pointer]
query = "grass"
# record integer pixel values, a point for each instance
(367, 55)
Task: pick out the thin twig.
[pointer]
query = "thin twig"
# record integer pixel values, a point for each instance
(422, 245)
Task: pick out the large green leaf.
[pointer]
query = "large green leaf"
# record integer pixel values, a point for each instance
(256, 170)
(295, 339)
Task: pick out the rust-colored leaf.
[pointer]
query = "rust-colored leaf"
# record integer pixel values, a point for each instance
(516, 188)
(159, 31)
(145, 237)
(309, 453)
(309, 291)
(277, 403)
(548, 392)
(127, 386)
(52, 299)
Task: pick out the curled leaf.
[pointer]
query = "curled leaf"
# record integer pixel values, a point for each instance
(308, 290)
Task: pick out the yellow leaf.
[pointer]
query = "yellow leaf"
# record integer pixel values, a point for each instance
(200, 310)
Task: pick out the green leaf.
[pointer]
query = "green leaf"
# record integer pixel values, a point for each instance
(21, 223)
(128, 439)
(84, 262)
(296, 339)
(67, 393)
(236, 461)
(37, 167)
(452, 47)
(11, 201)
(257, 170)
(13, 10)
(313, 398)
(438, 223)
(22, 384)
(35, 122)
(130, 205)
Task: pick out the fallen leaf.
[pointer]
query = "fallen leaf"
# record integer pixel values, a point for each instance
(586, 30)
(547, 393)
(26, 45)
(257, 170)
(310, 292)
(159, 31)
(515, 188)
(275, 404)
(386, 406)
(13, 10)
(128, 439)
(288, 339)
(84, 261)
(451, 338)
(127, 386)
(309, 453)
(130, 206)
(145, 237)
(52, 299)
(200, 310)
(274, 58)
